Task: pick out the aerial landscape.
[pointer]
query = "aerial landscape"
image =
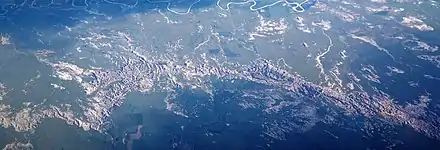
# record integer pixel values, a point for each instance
(219, 74)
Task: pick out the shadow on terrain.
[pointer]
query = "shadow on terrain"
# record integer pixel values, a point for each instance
(217, 124)
(223, 124)
(27, 20)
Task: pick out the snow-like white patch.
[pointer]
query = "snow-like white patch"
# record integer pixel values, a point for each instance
(415, 23)
(395, 70)
(57, 86)
(379, 1)
(433, 59)
(18, 146)
(325, 25)
(301, 25)
(269, 28)
(419, 45)
(4, 39)
(372, 42)
(3, 91)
